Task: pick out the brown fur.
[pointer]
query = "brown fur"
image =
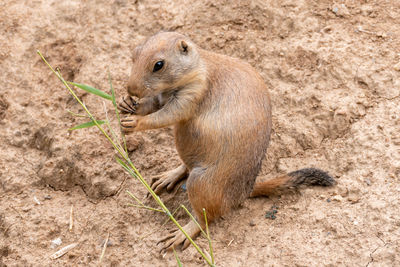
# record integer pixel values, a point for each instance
(270, 187)
(221, 111)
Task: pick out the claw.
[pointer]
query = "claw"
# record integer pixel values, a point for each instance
(185, 244)
(129, 124)
(171, 185)
(168, 179)
(166, 237)
(132, 108)
(127, 106)
(158, 186)
(124, 109)
(177, 238)
(168, 245)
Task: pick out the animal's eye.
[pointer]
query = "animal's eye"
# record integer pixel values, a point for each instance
(158, 66)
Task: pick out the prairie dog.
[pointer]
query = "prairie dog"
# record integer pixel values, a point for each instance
(221, 111)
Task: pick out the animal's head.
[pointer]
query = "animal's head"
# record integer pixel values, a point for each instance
(164, 62)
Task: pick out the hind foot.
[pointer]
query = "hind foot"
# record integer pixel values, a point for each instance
(168, 179)
(177, 238)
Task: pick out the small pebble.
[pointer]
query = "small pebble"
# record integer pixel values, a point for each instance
(337, 198)
(36, 200)
(397, 67)
(252, 223)
(354, 198)
(26, 208)
(56, 242)
(340, 10)
(271, 213)
(109, 243)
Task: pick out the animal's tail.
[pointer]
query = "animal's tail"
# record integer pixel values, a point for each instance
(292, 180)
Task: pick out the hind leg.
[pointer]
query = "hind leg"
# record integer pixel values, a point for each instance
(168, 179)
(201, 196)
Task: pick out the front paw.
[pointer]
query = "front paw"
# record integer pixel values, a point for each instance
(129, 124)
(127, 105)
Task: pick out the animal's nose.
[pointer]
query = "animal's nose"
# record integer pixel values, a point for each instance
(132, 89)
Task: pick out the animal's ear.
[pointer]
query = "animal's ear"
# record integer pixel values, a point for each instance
(183, 47)
(135, 52)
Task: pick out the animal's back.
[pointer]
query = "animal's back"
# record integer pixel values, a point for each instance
(230, 131)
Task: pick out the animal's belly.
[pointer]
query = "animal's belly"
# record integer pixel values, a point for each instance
(191, 144)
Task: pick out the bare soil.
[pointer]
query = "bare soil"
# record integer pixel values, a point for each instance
(333, 73)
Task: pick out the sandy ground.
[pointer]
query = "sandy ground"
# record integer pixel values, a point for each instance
(333, 73)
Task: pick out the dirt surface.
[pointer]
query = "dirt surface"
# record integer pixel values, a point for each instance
(333, 69)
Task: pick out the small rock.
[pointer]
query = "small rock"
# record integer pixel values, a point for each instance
(183, 186)
(109, 243)
(319, 216)
(252, 223)
(340, 10)
(26, 208)
(382, 34)
(337, 198)
(36, 200)
(134, 143)
(56, 242)
(397, 67)
(47, 197)
(271, 213)
(354, 198)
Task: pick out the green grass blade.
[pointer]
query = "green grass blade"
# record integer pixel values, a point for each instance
(194, 220)
(208, 237)
(112, 90)
(92, 90)
(77, 115)
(126, 167)
(135, 198)
(86, 125)
(145, 207)
(177, 258)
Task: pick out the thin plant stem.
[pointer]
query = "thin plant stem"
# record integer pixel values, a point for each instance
(194, 219)
(114, 135)
(208, 237)
(135, 198)
(177, 258)
(145, 207)
(103, 251)
(131, 166)
(141, 205)
(76, 114)
(80, 102)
